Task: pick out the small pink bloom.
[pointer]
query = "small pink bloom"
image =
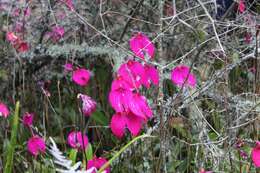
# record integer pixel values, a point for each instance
(11, 37)
(139, 106)
(28, 119)
(57, 33)
(36, 145)
(181, 74)
(241, 6)
(23, 47)
(88, 104)
(81, 76)
(151, 75)
(202, 170)
(248, 37)
(122, 120)
(255, 154)
(68, 67)
(252, 69)
(27, 12)
(118, 99)
(69, 4)
(4, 111)
(243, 154)
(131, 72)
(16, 12)
(97, 162)
(77, 140)
(141, 46)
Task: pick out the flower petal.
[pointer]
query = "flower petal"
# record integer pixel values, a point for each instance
(118, 123)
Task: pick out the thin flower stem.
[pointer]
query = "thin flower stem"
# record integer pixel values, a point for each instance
(122, 150)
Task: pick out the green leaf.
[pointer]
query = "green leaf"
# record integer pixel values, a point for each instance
(11, 147)
(100, 118)
(89, 152)
(73, 155)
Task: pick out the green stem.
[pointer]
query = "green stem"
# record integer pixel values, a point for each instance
(122, 150)
(12, 145)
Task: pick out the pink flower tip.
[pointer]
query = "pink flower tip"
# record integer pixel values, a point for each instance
(4, 111)
(88, 104)
(36, 145)
(77, 140)
(28, 119)
(241, 6)
(141, 45)
(81, 76)
(255, 154)
(181, 75)
(68, 67)
(97, 163)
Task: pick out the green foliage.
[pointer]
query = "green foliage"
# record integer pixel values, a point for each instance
(12, 144)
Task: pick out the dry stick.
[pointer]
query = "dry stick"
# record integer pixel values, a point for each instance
(132, 14)
(160, 96)
(213, 25)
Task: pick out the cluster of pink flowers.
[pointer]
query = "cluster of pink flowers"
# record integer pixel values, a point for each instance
(17, 42)
(132, 109)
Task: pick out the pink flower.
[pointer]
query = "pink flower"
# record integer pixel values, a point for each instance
(118, 95)
(36, 145)
(81, 76)
(97, 162)
(255, 154)
(122, 120)
(151, 75)
(28, 119)
(57, 33)
(248, 37)
(69, 4)
(77, 140)
(202, 170)
(141, 46)
(139, 106)
(68, 67)
(11, 37)
(241, 6)
(4, 111)
(132, 72)
(180, 74)
(88, 104)
(22, 47)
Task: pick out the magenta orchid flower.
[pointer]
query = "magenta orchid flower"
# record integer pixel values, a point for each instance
(77, 140)
(122, 120)
(36, 145)
(57, 33)
(255, 154)
(138, 105)
(118, 95)
(68, 67)
(132, 72)
(181, 74)
(202, 170)
(241, 6)
(151, 75)
(88, 104)
(4, 111)
(28, 119)
(141, 46)
(22, 47)
(81, 76)
(11, 37)
(97, 163)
